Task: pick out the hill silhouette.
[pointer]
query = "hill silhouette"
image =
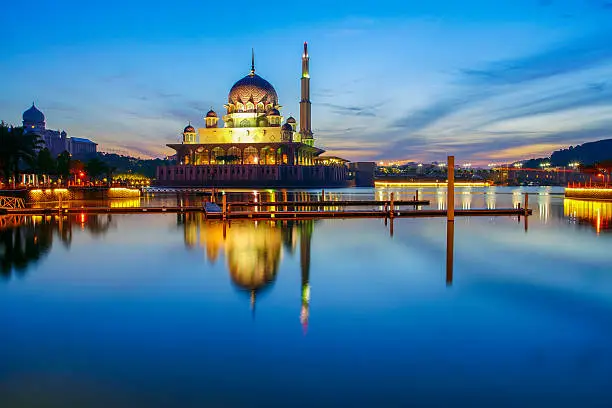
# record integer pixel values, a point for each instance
(586, 154)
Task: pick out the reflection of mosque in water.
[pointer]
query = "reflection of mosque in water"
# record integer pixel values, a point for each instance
(26, 240)
(253, 250)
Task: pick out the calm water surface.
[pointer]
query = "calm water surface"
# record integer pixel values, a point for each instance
(170, 310)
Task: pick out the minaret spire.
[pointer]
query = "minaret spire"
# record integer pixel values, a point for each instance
(252, 61)
(305, 115)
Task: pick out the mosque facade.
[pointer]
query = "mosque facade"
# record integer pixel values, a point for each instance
(255, 146)
(57, 142)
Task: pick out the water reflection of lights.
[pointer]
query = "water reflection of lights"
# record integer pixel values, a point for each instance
(517, 196)
(466, 200)
(252, 251)
(441, 199)
(596, 213)
(544, 207)
(491, 200)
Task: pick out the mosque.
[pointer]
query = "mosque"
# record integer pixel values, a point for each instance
(254, 147)
(57, 142)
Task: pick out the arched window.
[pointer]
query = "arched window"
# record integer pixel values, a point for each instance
(250, 155)
(244, 123)
(239, 107)
(260, 107)
(268, 156)
(216, 152)
(234, 155)
(250, 107)
(201, 156)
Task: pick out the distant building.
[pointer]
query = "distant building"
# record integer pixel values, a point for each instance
(57, 142)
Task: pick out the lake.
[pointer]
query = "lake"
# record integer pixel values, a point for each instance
(173, 310)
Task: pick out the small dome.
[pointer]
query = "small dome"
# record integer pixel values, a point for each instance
(189, 129)
(33, 115)
(291, 120)
(273, 112)
(287, 126)
(211, 114)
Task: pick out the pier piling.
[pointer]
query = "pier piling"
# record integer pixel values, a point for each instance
(450, 199)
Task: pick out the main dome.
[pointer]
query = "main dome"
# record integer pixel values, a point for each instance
(33, 115)
(253, 88)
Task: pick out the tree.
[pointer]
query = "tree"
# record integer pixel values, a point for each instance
(95, 168)
(63, 165)
(45, 164)
(16, 147)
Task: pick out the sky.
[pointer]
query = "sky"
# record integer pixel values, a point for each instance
(486, 81)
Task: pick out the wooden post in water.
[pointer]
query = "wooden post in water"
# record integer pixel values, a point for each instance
(450, 245)
(391, 206)
(224, 206)
(450, 194)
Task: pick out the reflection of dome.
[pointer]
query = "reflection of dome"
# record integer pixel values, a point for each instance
(291, 119)
(33, 115)
(253, 256)
(273, 112)
(189, 129)
(211, 114)
(253, 88)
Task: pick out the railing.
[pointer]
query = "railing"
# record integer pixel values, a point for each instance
(11, 202)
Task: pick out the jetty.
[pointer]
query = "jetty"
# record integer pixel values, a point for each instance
(283, 210)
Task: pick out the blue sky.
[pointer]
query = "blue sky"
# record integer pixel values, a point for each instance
(487, 81)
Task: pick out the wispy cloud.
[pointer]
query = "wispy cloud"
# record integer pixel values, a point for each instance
(508, 90)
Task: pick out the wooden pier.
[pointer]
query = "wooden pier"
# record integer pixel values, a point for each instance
(214, 211)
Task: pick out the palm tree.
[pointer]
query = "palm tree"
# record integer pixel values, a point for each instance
(17, 146)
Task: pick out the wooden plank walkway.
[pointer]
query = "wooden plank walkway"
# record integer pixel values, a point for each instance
(218, 214)
(338, 203)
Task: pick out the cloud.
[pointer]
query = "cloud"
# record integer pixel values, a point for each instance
(560, 79)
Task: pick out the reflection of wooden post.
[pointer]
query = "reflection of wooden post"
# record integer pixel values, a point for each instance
(526, 204)
(224, 206)
(416, 196)
(450, 200)
(391, 227)
(391, 207)
(450, 244)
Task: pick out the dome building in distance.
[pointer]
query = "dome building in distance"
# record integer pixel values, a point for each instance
(252, 144)
(56, 141)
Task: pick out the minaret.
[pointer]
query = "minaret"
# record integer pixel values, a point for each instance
(305, 118)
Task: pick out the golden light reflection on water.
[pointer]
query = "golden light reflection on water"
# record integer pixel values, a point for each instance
(252, 250)
(596, 213)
